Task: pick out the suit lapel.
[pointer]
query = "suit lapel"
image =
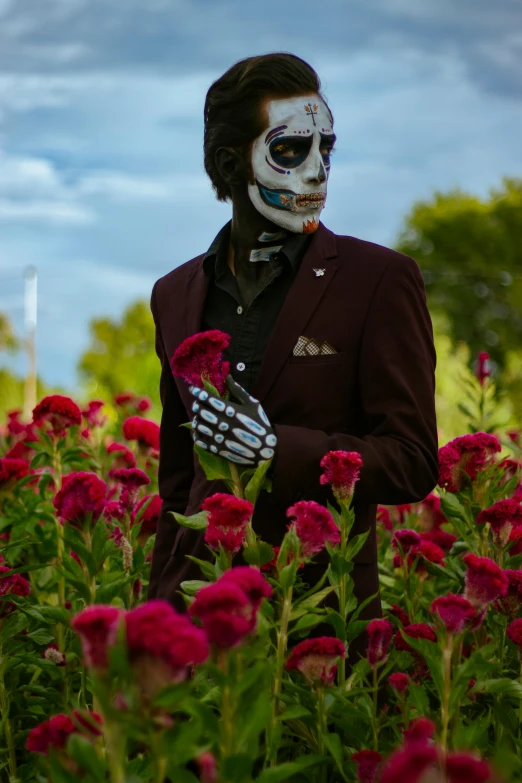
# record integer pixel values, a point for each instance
(303, 298)
(194, 296)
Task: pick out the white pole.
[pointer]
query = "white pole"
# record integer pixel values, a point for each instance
(30, 314)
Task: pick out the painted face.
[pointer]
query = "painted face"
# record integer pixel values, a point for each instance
(291, 163)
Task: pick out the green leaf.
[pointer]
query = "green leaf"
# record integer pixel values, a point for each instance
(197, 521)
(306, 622)
(208, 570)
(355, 628)
(334, 745)
(214, 467)
(85, 756)
(335, 619)
(237, 768)
(310, 602)
(41, 636)
(191, 586)
(255, 719)
(294, 712)
(259, 553)
(287, 575)
(210, 388)
(432, 654)
(356, 544)
(255, 485)
(286, 770)
(502, 685)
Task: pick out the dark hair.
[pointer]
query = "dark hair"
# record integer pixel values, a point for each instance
(232, 116)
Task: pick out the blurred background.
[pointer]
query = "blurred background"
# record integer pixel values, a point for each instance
(102, 187)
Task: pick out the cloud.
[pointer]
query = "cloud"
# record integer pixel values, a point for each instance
(45, 212)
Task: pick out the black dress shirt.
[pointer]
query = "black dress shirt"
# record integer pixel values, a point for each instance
(248, 324)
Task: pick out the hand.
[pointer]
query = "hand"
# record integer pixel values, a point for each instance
(239, 432)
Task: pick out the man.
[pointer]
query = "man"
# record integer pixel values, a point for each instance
(330, 334)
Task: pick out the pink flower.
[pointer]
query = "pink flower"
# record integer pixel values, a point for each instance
(54, 733)
(225, 611)
(124, 457)
(406, 542)
(113, 510)
(379, 637)
(399, 681)
(414, 631)
(13, 470)
(93, 415)
(314, 526)
(465, 456)
(420, 731)
(408, 764)
(483, 369)
(228, 517)
(428, 551)
(123, 398)
(514, 632)
(148, 521)
(439, 537)
(59, 411)
(14, 425)
(502, 516)
(400, 614)
(207, 767)
(11, 584)
(455, 611)
(316, 659)
(368, 762)
(130, 481)
(81, 498)
(200, 357)
(464, 768)
(384, 517)
(145, 431)
(485, 581)
(144, 404)
(341, 470)
(251, 581)
(512, 601)
(431, 517)
(97, 627)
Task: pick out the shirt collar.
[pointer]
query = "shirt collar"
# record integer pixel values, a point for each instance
(215, 259)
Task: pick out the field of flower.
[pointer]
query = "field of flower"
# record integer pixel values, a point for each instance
(97, 683)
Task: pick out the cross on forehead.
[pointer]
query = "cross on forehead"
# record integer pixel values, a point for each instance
(311, 110)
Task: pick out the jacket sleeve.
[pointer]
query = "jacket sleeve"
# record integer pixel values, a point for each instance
(176, 465)
(396, 378)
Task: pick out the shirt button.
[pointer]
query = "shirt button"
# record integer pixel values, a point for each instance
(239, 310)
(240, 366)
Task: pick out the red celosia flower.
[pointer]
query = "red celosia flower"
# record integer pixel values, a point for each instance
(148, 520)
(157, 632)
(14, 425)
(315, 659)
(252, 583)
(12, 584)
(431, 517)
(13, 469)
(207, 767)
(124, 458)
(314, 526)
(512, 601)
(515, 540)
(123, 398)
(384, 517)
(228, 517)
(97, 627)
(443, 540)
(130, 481)
(200, 357)
(483, 369)
(368, 762)
(485, 580)
(379, 637)
(400, 614)
(59, 411)
(455, 611)
(401, 510)
(341, 470)
(81, 498)
(464, 768)
(143, 405)
(414, 631)
(113, 510)
(93, 415)
(145, 431)
(399, 681)
(225, 613)
(54, 733)
(502, 517)
(431, 552)
(514, 632)
(409, 764)
(406, 541)
(467, 454)
(420, 731)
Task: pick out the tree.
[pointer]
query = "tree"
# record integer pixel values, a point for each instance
(470, 254)
(121, 356)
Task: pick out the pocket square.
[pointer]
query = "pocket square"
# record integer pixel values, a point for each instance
(308, 346)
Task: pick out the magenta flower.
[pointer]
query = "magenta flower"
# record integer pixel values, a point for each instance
(439, 537)
(13, 469)
(502, 517)
(512, 601)
(148, 521)
(124, 458)
(379, 637)
(462, 767)
(252, 583)
(58, 411)
(314, 526)
(514, 632)
(124, 398)
(406, 542)
(81, 498)
(399, 681)
(408, 764)
(93, 415)
(415, 631)
(420, 731)
(228, 517)
(455, 611)
(431, 517)
(97, 627)
(55, 732)
(483, 369)
(467, 454)
(207, 767)
(316, 659)
(384, 518)
(200, 357)
(12, 584)
(145, 431)
(130, 481)
(368, 762)
(485, 580)
(143, 404)
(341, 470)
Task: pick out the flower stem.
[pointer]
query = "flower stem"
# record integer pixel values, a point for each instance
(237, 487)
(447, 654)
(115, 752)
(520, 706)
(282, 641)
(227, 710)
(343, 586)
(321, 728)
(8, 729)
(375, 692)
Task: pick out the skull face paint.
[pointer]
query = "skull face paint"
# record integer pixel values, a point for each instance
(291, 163)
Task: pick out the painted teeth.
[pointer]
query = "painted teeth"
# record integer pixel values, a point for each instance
(313, 200)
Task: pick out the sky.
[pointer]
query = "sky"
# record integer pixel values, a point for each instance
(102, 186)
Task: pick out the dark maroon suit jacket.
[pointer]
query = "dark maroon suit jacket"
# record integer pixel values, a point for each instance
(374, 396)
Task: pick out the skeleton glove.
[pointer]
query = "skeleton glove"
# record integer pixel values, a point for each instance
(239, 432)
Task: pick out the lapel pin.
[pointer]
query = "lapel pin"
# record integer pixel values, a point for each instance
(319, 272)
